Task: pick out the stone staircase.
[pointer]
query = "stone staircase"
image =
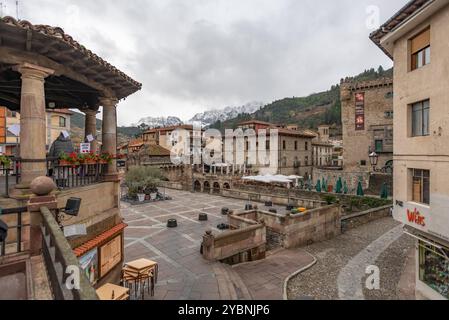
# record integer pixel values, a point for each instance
(230, 285)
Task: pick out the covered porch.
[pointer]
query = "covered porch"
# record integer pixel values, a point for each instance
(42, 68)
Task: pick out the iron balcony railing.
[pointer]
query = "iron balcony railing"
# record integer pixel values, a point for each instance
(64, 176)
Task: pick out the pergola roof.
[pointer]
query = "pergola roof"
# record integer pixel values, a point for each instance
(80, 75)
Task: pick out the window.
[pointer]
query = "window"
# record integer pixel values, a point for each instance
(306, 161)
(62, 122)
(433, 267)
(388, 115)
(379, 145)
(420, 118)
(267, 145)
(420, 50)
(307, 146)
(363, 163)
(296, 145)
(284, 145)
(421, 186)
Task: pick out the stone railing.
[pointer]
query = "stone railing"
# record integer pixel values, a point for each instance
(277, 198)
(237, 246)
(60, 261)
(354, 220)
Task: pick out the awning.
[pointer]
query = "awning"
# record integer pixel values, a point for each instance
(99, 240)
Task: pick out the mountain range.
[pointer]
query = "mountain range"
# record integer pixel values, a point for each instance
(307, 112)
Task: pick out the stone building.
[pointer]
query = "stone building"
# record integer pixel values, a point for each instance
(367, 119)
(416, 38)
(322, 148)
(292, 150)
(43, 61)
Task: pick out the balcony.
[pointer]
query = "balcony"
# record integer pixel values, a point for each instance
(65, 176)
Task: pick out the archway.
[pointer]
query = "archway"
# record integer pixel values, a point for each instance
(226, 186)
(217, 188)
(206, 188)
(197, 186)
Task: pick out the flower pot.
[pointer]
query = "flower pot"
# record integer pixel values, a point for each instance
(141, 197)
(102, 162)
(153, 196)
(64, 163)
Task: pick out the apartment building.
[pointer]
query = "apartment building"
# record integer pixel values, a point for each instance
(416, 38)
(293, 149)
(57, 120)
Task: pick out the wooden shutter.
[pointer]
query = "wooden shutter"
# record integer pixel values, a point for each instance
(421, 41)
(3, 132)
(417, 190)
(110, 255)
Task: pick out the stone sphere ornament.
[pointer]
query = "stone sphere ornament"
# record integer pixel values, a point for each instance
(42, 186)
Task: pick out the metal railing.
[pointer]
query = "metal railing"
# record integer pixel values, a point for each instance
(74, 176)
(65, 176)
(58, 256)
(18, 227)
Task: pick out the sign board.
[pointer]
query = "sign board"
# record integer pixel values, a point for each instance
(75, 230)
(85, 148)
(14, 129)
(90, 138)
(430, 219)
(89, 265)
(360, 111)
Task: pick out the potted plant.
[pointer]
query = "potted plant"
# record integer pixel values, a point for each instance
(5, 161)
(71, 159)
(142, 181)
(89, 158)
(105, 158)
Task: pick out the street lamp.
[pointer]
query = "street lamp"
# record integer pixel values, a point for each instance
(374, 159)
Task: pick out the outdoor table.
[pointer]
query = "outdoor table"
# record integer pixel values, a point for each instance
(113, 292)
(138, 272)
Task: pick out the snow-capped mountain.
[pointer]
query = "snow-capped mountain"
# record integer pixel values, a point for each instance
(155, 122)
(209, 117)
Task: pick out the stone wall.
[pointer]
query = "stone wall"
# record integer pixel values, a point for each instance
(277, 199)
(292, 231)
(247, 243)
(355, 220)
(378, 125)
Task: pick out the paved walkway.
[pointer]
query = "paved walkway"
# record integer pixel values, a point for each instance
(342, 261)
(184, 274)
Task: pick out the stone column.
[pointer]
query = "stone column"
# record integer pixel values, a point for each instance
(110, 131)
(91, 127)
(32, 122)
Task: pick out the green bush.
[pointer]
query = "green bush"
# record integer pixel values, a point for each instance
(143, 180)
(330, 199)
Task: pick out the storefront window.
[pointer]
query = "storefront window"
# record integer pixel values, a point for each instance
(434, 268)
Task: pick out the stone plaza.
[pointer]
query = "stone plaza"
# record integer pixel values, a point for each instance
(183, 273)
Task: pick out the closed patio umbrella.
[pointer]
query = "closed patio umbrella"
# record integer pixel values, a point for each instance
(318, 186)
(360, 189)
(339, 186)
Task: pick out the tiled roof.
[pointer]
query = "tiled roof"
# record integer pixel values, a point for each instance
(157, 151)
(135, 143)
(58, 33)
(100, 240)
(403, 14)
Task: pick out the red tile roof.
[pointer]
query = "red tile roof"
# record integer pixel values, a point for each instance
(101, 239)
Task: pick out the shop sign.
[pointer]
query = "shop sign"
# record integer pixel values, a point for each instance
(416, 217)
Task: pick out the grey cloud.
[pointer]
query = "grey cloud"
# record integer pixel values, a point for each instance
(198, 54)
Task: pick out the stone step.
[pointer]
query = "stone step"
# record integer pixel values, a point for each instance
(231, 286)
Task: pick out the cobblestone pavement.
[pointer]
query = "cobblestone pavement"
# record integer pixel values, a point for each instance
(183, 273)
(320, 281)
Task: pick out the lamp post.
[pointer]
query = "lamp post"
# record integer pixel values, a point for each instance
(374, 159)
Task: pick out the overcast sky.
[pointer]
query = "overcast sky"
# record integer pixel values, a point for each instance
(194, 55)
